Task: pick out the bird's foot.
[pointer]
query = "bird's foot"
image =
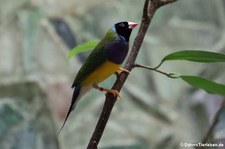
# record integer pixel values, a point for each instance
(119, 71)
(123, 70)
(114, 92)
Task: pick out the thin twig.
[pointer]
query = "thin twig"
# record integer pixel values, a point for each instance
(214, 122)
(148, 12)
(170, 75)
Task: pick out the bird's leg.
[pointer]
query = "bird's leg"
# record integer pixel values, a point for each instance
(114, 92)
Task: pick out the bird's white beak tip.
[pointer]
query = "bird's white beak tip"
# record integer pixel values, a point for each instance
(132, 25)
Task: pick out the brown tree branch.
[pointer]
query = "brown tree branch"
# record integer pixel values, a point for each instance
(148, 12)
(214, 123)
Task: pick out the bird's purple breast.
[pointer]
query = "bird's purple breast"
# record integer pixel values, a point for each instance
(117, 51)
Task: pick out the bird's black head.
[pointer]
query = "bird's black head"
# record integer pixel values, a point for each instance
(124, 29)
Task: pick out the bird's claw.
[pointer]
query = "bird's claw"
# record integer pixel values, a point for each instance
(120, 70)
(117, 73)
(114, 92)
(124, 70)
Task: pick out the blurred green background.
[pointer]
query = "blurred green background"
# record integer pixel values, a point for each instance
(154, 112)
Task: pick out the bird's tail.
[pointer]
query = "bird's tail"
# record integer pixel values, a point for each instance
(74, 100)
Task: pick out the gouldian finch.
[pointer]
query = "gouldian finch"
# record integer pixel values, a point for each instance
(105, 60)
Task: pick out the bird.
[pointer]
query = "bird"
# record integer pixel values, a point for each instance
(104, 61)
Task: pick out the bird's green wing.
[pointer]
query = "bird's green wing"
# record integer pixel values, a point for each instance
(94, 60)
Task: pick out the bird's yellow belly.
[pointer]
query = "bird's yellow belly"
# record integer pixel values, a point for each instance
(101, 73)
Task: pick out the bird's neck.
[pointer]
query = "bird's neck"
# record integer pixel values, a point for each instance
(111, 35)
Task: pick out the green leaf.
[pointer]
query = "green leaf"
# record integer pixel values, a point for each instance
(194, 56)
(207, 85)
(82, 48)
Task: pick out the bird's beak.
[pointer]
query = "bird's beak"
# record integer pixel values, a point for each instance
(132, 25)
